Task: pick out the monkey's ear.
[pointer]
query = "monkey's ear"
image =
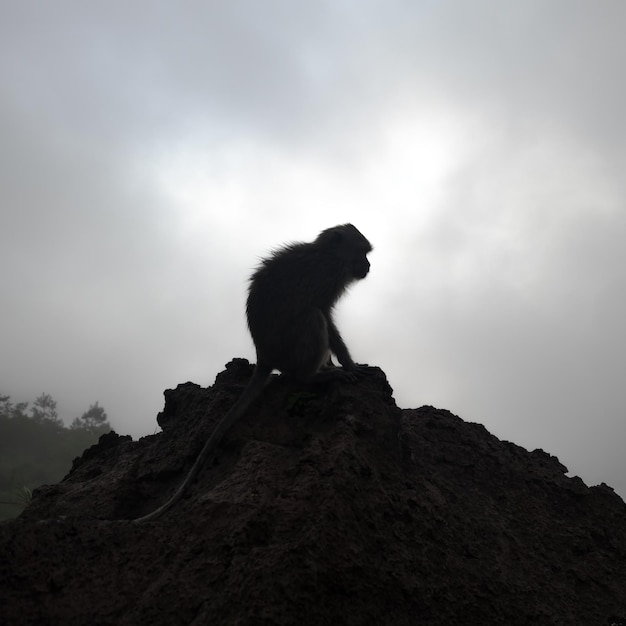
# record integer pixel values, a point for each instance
(336, 236)
(331, 236)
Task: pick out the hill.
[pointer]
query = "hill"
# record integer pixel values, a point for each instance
(322, 506)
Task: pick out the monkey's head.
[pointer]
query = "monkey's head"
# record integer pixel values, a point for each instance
(349, 246)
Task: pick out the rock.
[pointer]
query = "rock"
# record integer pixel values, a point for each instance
(323, 505)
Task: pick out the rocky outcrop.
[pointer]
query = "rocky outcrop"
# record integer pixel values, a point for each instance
(323, 505)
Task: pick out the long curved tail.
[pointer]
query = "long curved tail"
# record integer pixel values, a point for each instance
(250, 394)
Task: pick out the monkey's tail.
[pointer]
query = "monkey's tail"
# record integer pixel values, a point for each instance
(252, 391)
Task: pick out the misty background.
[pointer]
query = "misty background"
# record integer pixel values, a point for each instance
(151, 153)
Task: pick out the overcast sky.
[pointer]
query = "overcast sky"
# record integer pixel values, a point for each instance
(152, 152)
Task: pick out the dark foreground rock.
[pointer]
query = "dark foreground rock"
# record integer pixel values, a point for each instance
(322, 506)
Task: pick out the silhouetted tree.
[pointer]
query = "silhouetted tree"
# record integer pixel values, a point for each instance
(10, 410)
(45, 410)
(95, 419)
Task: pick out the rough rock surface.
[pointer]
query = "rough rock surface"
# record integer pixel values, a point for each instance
(322, 506)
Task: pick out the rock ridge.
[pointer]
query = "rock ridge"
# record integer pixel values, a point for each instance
(323, 505)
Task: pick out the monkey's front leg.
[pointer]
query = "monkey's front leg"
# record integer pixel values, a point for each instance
(340, 350)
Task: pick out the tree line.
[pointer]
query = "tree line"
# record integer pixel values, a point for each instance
(37, 448)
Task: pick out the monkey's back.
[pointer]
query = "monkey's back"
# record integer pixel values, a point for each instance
(290, 283)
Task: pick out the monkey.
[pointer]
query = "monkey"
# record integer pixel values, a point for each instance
(289, 311)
